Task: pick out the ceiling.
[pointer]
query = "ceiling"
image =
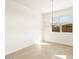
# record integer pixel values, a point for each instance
(45, 6)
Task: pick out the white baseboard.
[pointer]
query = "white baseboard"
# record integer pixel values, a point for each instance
(12, 51)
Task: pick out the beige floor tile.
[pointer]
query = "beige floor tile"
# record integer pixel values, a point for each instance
(43, 51)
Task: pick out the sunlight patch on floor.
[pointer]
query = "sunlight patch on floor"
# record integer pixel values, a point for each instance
(61, 56)
(39, 44)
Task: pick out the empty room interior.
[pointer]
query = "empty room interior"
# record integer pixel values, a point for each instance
(39, 29)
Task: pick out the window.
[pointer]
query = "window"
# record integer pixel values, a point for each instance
(67, 28)
(62, 24)
(56, 24)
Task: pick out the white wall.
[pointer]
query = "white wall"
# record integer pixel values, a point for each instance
(57, 37)
(23, 26)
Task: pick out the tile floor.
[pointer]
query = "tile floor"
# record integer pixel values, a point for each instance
(43, 51)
